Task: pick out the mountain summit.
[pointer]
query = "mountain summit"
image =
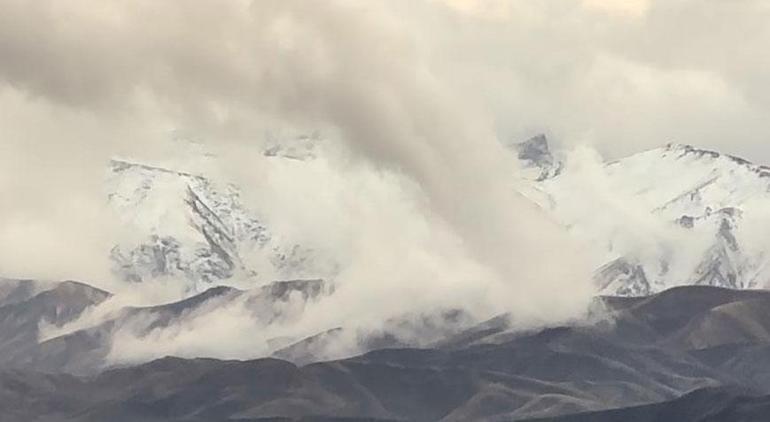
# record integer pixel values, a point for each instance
(196, 228)
(663, 217)
(536, 153)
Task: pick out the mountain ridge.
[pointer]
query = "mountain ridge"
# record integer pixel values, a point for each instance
(655, 355)
(697, 200)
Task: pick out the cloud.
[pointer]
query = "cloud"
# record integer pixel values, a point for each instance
(417, 94)
(629, 8)
(580, 69)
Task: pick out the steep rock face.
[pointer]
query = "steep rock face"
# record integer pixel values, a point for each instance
(624, 278)
(535, 153)
(721, 265)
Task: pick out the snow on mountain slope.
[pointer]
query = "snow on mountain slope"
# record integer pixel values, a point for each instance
(193, 227)
(668, 216)
(664, 217)
(691, 181)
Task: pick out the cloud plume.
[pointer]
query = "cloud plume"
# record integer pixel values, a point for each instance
(417, 95)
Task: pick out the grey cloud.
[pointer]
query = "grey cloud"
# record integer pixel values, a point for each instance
(421, 89)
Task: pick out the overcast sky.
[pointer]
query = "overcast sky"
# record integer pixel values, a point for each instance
(624, 75)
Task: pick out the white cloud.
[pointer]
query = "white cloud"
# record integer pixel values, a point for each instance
(418, 92)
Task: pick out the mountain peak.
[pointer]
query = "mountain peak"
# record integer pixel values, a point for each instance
(535, 152)
(701, 194)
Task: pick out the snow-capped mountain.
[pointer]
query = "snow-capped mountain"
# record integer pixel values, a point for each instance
(664, 217)
(668, 216)
(193, 227)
